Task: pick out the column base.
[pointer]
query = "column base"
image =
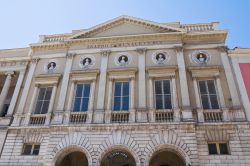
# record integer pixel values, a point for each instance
(142, 115)
(98, 116)
(132, 115)
(225, 115)
(151, 115)
(57, 118)
(200, 115)
(177, 115)
(89, 117)
(187, 115)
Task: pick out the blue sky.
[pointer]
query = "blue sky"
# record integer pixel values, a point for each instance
(22, 21)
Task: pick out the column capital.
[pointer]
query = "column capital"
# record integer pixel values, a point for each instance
(178, 48)
(70, 55)
(105, 52)
(223, 49)
(141, 50)
(35, 60)
(9, 73)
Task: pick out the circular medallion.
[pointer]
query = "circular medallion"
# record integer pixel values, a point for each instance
(122, 59)
(87, 62)
(200, 57)
(50, 67)
(160, 57)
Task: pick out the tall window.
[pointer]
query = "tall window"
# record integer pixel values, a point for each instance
(121, 96)
(208, 94)
(162, 94)
(81, 100)
(43, 100)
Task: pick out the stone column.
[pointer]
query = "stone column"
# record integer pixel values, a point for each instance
(32, 105)
(70, 103)
(222, 100)
(141, 78)
(151, 100)
(230, 78)
(25, 92)
(198, 101)
(99, 113)
(91, 101)
(51, 104)
(5, 90)
(177, 116)
(109, 101)
(58, 114)
(132, 101)
(186, 110)
(16, 93)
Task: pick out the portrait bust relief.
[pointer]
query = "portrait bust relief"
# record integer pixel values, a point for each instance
(200, 57)
(122, 59)
(50, 67)
(87, 62)
(160, 57)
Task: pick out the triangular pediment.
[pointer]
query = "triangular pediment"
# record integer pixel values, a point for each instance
(125, 25)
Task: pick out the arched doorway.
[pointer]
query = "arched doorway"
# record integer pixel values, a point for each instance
(76, 158)
(166, 158)
(118, 158)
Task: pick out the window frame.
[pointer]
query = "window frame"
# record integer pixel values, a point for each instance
(32, 149)
(208, 94)
(162, 90)
(74, 96)
(113, 94)
(37, 96)
(217, 144)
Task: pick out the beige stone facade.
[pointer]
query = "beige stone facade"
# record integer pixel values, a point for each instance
(147, 130)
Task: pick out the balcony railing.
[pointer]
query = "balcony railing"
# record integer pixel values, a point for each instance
(213, 116)
(78, 117)
(37, 120)
(120, 117)
(164, 116)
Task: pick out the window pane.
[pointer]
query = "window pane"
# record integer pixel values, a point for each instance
(117, 103)
(85, 103)
(41, 93)
(223, 148)
(125, 103)
(45, 107)
(125, 89)
(211, 87)
(212, 148)
(168, 104)
(77, 105)
(159, 104)
(166, 87)
(79, 90)
(86, 90)
(117, 89)
(27, 149)
(36, 149)
(202, 86)
(158, 89)
(48, 93)
(38, 107)
(214, 102)
(205, 104)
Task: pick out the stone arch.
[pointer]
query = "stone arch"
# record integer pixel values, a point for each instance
(166, 139)
(119, 147)
(171, 148)
(74, 141)
(118, 139)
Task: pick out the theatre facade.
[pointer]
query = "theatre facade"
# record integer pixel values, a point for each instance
(127, 92)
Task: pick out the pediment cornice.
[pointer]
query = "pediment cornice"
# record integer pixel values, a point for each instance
(125, 19)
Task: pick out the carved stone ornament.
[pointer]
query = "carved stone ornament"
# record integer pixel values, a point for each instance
(86, 62)
(200, 57)
(50, 67)
(123, 59)
(160, 57)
